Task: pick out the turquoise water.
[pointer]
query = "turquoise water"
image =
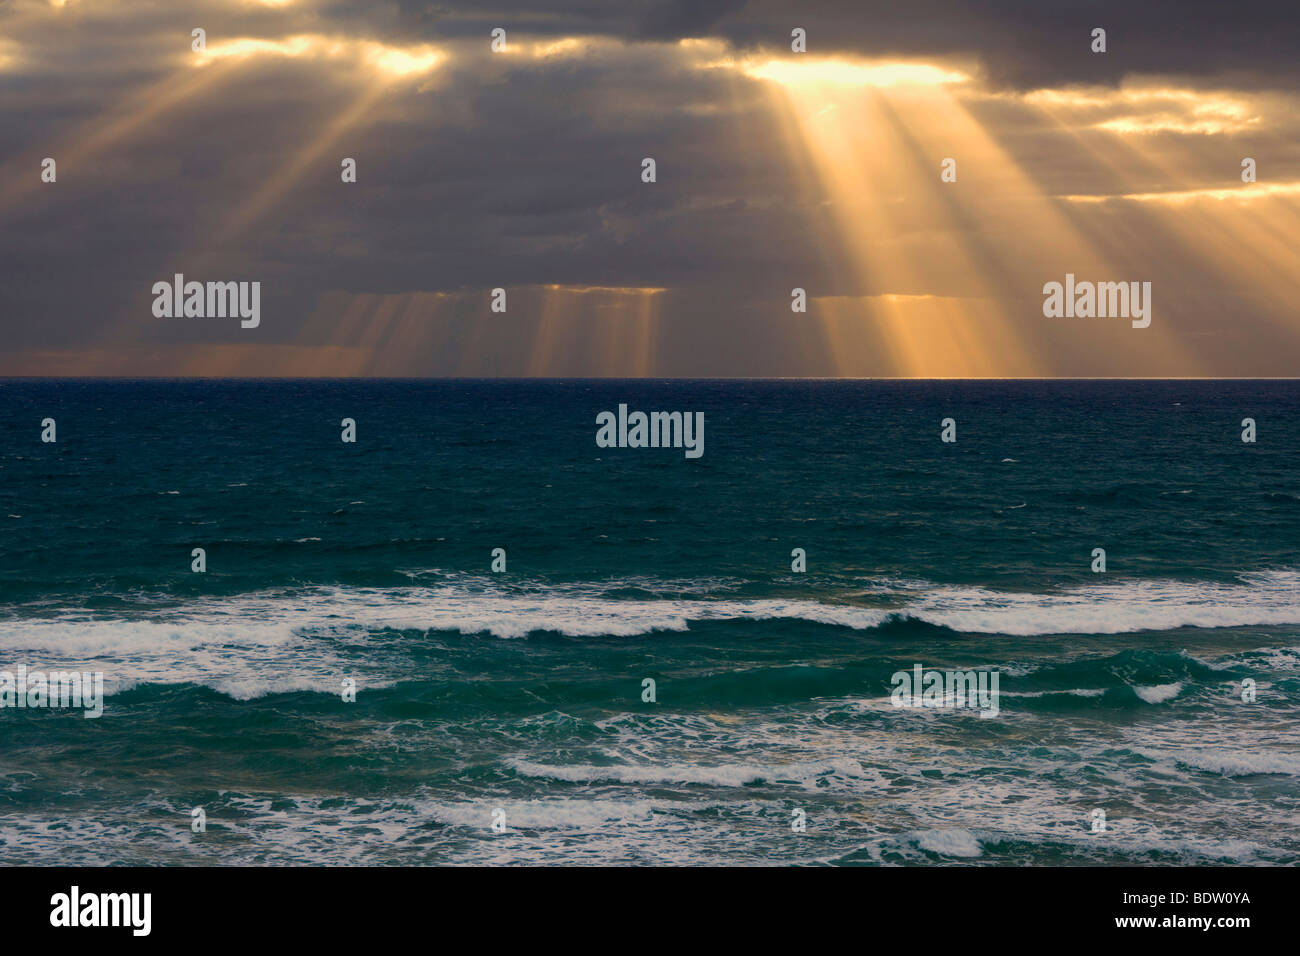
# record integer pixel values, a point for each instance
(522, 691)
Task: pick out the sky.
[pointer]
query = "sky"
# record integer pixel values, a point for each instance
(521, 168)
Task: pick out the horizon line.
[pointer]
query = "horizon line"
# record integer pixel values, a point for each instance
(640, 378)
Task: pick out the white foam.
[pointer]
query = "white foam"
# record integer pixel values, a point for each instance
(956, 842)
(1274, 658)
(1263, 598)
(1158, 693)
(275, 641)
(1232, 763)
(546, 814)
(277, 617)
(803, 773)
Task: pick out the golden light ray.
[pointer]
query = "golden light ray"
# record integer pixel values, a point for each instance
(876, 141)
(271, 192)
(546, 335)
(384, 333)
(83, 144)
(944, 337)
(613, 325)
(1261, 227)
(804, 188)
(487, 335)
(981, 322)
(573, 329)
(1089, 254)
(1061, 245)
(391, 63)
(422, 330)
(848, 125)
(388, 66)
(308, 157)
(206, 68)
(1252, 245)
(1243, 242)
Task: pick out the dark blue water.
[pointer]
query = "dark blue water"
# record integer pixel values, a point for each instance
(522, 691)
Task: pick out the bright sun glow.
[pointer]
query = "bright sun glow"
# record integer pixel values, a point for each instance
(605, 289)
(1244, 193)
(1152, 109)
(811, 72)
(550, 49)
(392, 60)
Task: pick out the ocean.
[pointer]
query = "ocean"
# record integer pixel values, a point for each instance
(502, 716)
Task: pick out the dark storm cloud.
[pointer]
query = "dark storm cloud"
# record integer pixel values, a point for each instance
(1046, 42)
(526, 175)
(521, 172)
(1020, 42)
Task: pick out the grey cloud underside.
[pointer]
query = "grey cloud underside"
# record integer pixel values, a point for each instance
(529, 178)
(1025, 43)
